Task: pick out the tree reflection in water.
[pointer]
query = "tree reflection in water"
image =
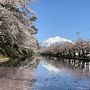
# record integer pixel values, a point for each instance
(48, 74)
(17, 78)
(62, 74)
(70, 63)
(75, 67)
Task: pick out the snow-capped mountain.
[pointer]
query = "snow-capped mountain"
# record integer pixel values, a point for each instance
(55, 40)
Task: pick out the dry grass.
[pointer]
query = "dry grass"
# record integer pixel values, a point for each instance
(3, 58)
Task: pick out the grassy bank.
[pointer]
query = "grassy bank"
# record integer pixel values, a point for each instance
(14, 57)
(3, 58)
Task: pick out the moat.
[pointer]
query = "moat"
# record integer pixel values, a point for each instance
(46, 74)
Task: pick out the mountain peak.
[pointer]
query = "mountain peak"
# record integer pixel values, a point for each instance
(53, 40)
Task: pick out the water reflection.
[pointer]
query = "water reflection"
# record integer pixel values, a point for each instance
(70, 63)
(59, 74)
(18, 78)
(47, 74)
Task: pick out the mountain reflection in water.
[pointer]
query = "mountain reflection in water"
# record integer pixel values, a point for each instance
(47, 74)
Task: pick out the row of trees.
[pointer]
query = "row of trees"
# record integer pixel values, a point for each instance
(79, 49)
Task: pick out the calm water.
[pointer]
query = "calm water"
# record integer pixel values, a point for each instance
(47, 74)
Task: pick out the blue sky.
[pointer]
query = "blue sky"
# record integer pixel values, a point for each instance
(62, 18)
